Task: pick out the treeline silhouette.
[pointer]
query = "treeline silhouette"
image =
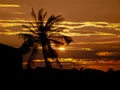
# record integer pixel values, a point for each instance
(42, 74)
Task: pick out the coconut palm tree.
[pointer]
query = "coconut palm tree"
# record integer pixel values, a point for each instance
(46, 33)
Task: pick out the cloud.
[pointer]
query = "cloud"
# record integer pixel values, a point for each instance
(72, 26)
(20, 13)
(11, 23)
(92, 28)
(10, 32)
(75, 25)
(87, 34)
(99, 42)
(9, 5)
(105, 53)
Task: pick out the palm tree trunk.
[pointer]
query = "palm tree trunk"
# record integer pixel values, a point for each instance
(30, 59)
(29, 64)
(47, 63)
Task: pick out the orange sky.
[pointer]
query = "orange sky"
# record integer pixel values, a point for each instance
(72, 10)
(94, 25)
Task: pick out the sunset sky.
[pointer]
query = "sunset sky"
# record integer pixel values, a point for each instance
(94, 26)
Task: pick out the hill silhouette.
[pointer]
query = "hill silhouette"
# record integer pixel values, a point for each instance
(10, 61)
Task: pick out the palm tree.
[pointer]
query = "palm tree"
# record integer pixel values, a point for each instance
(45, 33)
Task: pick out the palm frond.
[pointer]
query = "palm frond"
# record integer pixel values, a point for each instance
(59, 18)
(33, 31)
(67, 39)
(56, 42)
(44, 15)
(26, 36)
(40, 17)
(58, 29)
(32, 25)
(26, 26)
(26, 46)
(54, 29)
(34, 15)
(52, 20)
(61, 38)
(29, 28)
(54, 55)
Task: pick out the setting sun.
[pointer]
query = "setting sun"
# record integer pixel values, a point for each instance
(61, 48)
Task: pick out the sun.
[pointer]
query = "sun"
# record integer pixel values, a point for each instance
(61, 48)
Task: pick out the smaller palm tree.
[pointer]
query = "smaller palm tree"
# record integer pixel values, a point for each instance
(44, 33)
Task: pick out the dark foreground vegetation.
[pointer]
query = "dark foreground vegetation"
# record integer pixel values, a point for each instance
(55, 78)
(84, 79)
(41, 74)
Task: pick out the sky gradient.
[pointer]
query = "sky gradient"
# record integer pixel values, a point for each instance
(94, 26)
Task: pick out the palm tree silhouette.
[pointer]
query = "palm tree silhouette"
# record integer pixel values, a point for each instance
(45, 33)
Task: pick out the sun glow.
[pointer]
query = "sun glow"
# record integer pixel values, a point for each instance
(61, 48)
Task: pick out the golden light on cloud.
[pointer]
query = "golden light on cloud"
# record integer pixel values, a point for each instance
(9, 32)
(9, 5)
(13, 21)
(99, 43)
(86, 49)
(18, 13)
(104, 53)
(9, 24)
(104, 34)
(76, 25)
(85, 28)
(37, 61)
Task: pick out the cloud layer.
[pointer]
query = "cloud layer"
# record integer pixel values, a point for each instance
(9, 5)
